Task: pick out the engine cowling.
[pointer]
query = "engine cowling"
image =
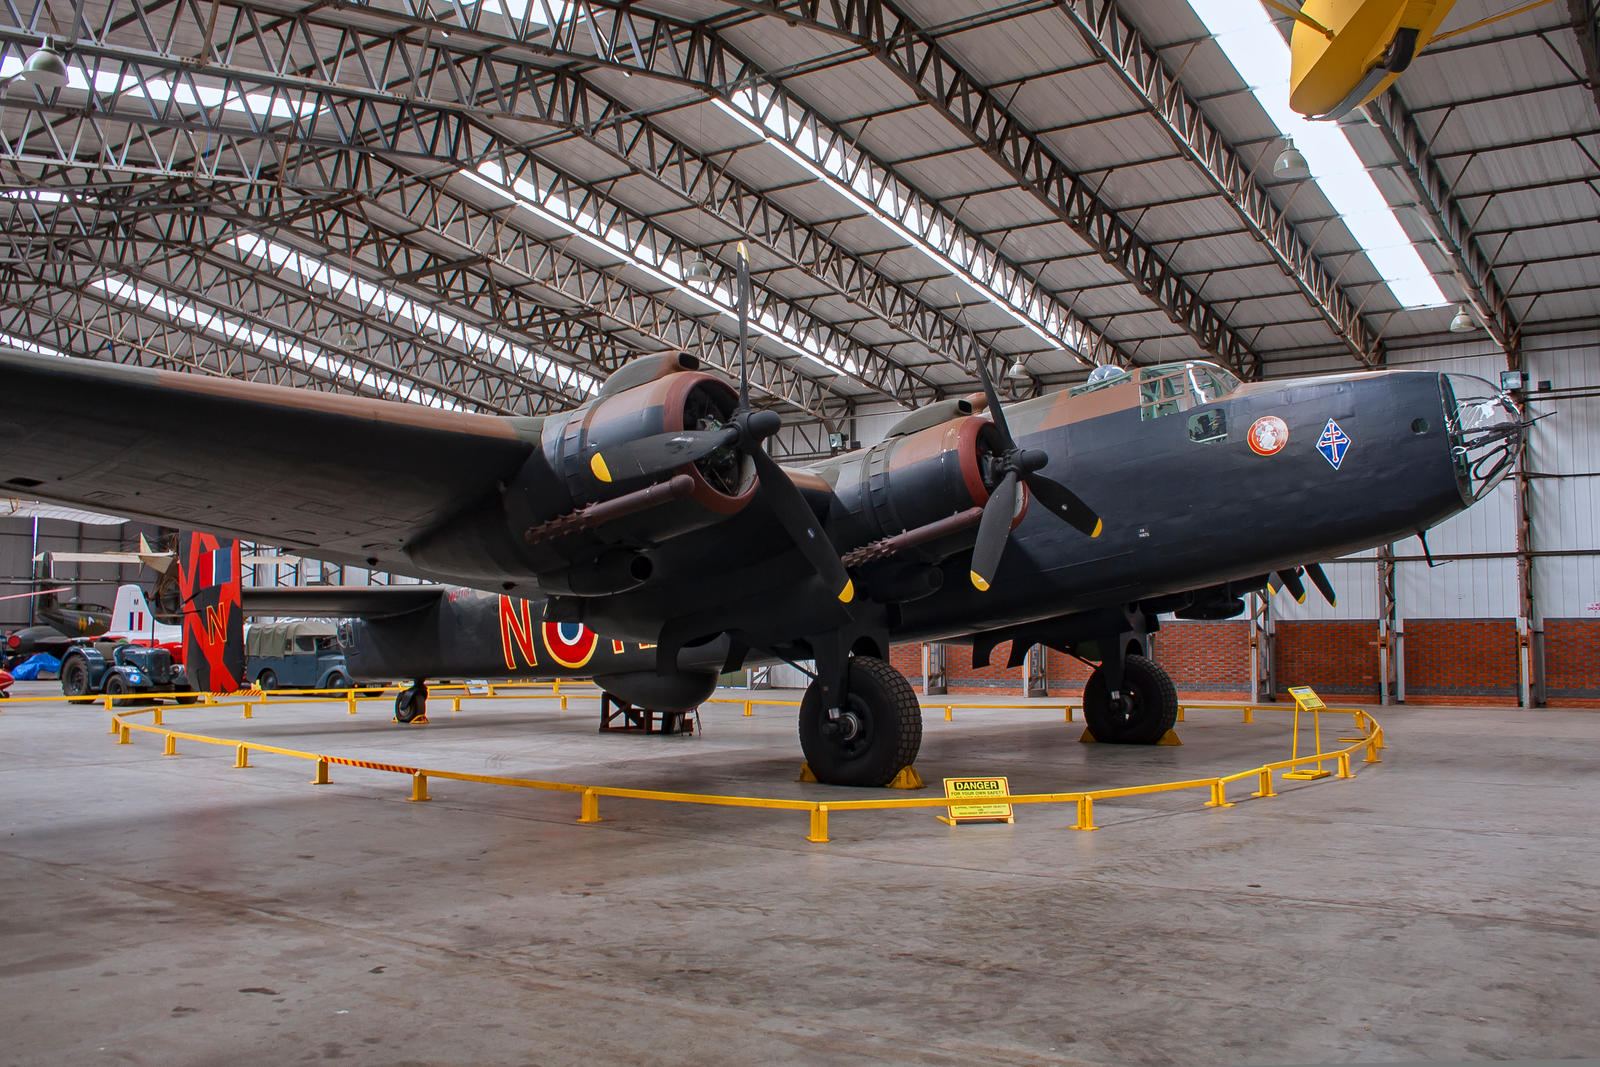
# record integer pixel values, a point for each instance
(917, 477)
(528, 527)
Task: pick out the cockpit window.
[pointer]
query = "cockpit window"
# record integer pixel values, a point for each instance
(1173, 387)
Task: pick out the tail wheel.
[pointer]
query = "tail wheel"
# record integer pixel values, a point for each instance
(1144, 711)
(877, 733)
(411, 703)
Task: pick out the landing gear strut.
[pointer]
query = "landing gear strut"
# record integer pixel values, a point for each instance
(1144, 708)
(411, 703)
(874, 733)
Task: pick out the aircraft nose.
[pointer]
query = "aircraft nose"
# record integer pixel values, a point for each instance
(1486, 432)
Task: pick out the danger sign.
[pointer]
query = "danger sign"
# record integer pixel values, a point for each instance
(976, 789)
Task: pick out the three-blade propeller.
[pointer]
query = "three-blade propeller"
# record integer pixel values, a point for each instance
(1021, 467)
(1290, 580)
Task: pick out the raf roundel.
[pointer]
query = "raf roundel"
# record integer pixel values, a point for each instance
(570, 644)
(1268, 435)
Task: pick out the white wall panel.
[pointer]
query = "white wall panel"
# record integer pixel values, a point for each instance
(1355, 580)
(1566, 510)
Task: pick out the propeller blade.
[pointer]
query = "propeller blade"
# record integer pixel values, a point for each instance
(1065, 503)
(743, 286)
(1319, 578)
(994, 529)
(658, 453)
(995, 411)
(1290, 580)
(801, 524)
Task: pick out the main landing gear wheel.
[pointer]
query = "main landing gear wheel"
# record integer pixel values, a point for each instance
(1141, 715)
(877, 733)
(411, 703)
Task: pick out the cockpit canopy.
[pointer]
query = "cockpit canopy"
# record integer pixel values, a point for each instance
(1167, 388)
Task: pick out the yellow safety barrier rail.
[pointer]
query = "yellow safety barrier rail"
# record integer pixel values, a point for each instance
(1370, 742)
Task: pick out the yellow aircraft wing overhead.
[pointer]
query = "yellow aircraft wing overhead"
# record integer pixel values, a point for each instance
(1372, 42)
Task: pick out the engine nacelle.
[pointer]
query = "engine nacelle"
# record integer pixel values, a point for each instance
(509, 533)
(917, 477)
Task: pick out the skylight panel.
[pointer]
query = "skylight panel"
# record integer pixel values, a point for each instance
(894, 206)
(282, 104)
(30, 346)
(554, 208)
(392, 305)
(234, 331)
(1260, 55)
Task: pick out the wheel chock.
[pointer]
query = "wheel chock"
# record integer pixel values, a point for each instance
(1169, 738)
(1088, 737)
(420, 720)
(805, 774)
(908, 778)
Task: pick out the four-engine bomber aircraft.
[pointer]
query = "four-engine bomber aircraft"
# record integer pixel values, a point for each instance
(653, 516)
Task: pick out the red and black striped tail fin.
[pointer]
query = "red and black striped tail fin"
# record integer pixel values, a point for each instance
(213, 612)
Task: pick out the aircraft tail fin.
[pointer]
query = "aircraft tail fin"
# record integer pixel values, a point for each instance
(213, 613)
(131, 611)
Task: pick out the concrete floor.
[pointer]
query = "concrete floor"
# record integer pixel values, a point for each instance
(1442, 905)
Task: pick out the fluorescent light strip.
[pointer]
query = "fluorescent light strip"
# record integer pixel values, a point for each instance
(258, 105)
(235, 332)
(553, 208)
(346, 286)
(1259, 53)
(870, 188)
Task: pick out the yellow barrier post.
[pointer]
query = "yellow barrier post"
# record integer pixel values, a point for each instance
(949, 713)
(1180, 713)
(1264, 785)
(241, 757)
(419, 787)
(819, 825)
(1249, 716)
(155, 719)
(322, 771)
(1372, 751)
(1219, 795)
(108, 703)
(455, 703)
(171, 748)
(590, 811)
(1068, 710)
(125, 736)
(350, 695)
(563, 703)
(116, 724)
(555, 689)
(249, 710)
(1344, 766)
(749, 708)
(1085, 814)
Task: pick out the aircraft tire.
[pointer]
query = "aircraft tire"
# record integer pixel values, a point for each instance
(410, 704)
(887, 721)
(75, 679)
(1149, 711)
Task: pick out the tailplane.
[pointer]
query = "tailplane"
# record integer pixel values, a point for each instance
(213, 614)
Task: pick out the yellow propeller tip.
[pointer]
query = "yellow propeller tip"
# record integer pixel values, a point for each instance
(598, 466)
(1301, 599)
(1099, 525)
(848, 593)
(978, 582)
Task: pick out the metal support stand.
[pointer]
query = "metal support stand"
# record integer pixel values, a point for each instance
(1036, 672)
(640, 720)
(1530, 624)
(934, 680)
(1391, 632)
(1263, 673)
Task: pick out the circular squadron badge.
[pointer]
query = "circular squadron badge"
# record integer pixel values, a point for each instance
(1268, 435)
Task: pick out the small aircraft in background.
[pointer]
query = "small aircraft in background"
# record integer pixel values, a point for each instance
(1344, 53)
(652, 516)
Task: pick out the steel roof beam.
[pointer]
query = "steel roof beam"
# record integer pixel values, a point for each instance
(917, 58)
(1447, 223)
(1586, 24)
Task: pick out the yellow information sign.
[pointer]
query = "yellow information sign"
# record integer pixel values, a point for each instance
(970, 789)
(1306, 698)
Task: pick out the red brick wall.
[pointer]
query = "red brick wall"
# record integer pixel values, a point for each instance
(1572, 660)
(1330, 656)
(1461, 658)
(907, 659)
(1207, 660)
